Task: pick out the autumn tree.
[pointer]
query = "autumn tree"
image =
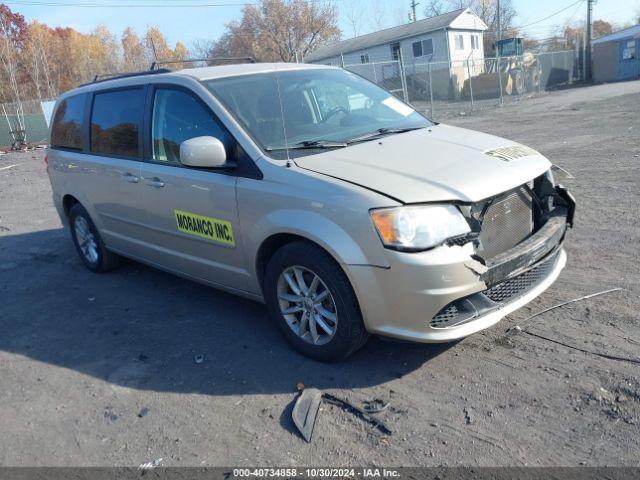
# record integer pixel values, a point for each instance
(38, 52)
(13, 35)
(158, 49)
(600, 28)
(574, 34)
(39, 62)
(133, 54)
(279, 30)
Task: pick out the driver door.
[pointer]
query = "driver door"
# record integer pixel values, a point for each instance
(192, 212)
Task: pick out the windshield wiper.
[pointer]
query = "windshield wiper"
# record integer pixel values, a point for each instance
(309, 144)
(379, 133)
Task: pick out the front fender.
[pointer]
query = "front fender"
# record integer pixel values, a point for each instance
(343, 246)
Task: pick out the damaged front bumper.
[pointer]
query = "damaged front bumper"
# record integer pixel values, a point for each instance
(449, 292)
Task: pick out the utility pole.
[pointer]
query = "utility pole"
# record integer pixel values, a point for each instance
(587, 57)
(499, 26)
(413, 10)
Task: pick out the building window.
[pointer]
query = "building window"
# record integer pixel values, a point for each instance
(629, 51)
(364, 58)
(395, 51)
(475, 42)
(427, 46)
(417, 49)
(459, 40)
(423, 48)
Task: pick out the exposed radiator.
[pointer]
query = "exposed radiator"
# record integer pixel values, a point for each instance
(507, 221)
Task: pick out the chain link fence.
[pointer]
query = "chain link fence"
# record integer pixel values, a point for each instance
(443, 89)
(440, 89)
(24, 121)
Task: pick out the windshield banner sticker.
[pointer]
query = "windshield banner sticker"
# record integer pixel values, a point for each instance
(205, 227)
(396, 105)
(510, 153)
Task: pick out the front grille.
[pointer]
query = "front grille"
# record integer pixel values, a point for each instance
(445, 316)
(517, 286)
(467, 309)
(506, 222)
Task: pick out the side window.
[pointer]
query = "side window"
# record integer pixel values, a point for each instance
(66, 131)
(178, 116)
(459, 42)
(116, 117)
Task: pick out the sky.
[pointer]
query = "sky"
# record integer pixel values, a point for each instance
(189, 24)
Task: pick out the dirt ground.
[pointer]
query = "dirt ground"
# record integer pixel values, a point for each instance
(100, 370)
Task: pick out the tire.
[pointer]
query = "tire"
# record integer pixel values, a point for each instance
(518, 82)
(533, 79)
(349, 333)
(91, 248)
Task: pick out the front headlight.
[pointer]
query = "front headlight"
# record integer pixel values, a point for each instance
(418, 227)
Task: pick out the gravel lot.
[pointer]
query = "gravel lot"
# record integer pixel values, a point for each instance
(100, 370)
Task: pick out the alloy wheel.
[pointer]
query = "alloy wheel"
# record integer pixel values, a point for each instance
(307, 305)
(86, 240)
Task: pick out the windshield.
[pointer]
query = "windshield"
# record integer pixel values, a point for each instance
(323, 108)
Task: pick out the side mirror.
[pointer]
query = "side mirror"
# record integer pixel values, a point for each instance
(203, 152)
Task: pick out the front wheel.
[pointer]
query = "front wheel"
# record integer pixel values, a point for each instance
(312, 302)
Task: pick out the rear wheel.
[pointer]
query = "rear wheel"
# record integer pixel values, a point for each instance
(312, 302)
(88, 242)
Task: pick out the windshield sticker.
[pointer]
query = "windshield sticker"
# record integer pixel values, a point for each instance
(512, 152)
(205, 227)
(396, 105)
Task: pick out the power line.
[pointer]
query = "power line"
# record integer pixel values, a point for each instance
(133, 5)
(552, 15)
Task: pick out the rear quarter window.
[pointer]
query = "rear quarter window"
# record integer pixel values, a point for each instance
(66, 130)
(116, 119)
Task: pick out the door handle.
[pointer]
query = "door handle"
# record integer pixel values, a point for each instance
(127, 177)
(154, 182)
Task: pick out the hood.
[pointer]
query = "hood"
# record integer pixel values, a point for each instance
(441, 163)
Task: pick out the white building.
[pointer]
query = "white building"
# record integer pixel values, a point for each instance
(451, 43)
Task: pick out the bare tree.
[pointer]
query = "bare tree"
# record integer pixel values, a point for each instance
(279, 30)
(378, 14)
(355, 17)
(434, 8)
(487, 10)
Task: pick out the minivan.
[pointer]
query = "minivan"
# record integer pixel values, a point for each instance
(309, 188)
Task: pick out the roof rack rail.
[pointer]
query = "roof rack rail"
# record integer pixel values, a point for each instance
(220, 60)
(103, 77)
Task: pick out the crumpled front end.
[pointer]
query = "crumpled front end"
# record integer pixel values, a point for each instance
(513, 254)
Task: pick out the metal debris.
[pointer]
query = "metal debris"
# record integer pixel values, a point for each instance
(585, 297)
(150, 465)
(376, 405)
